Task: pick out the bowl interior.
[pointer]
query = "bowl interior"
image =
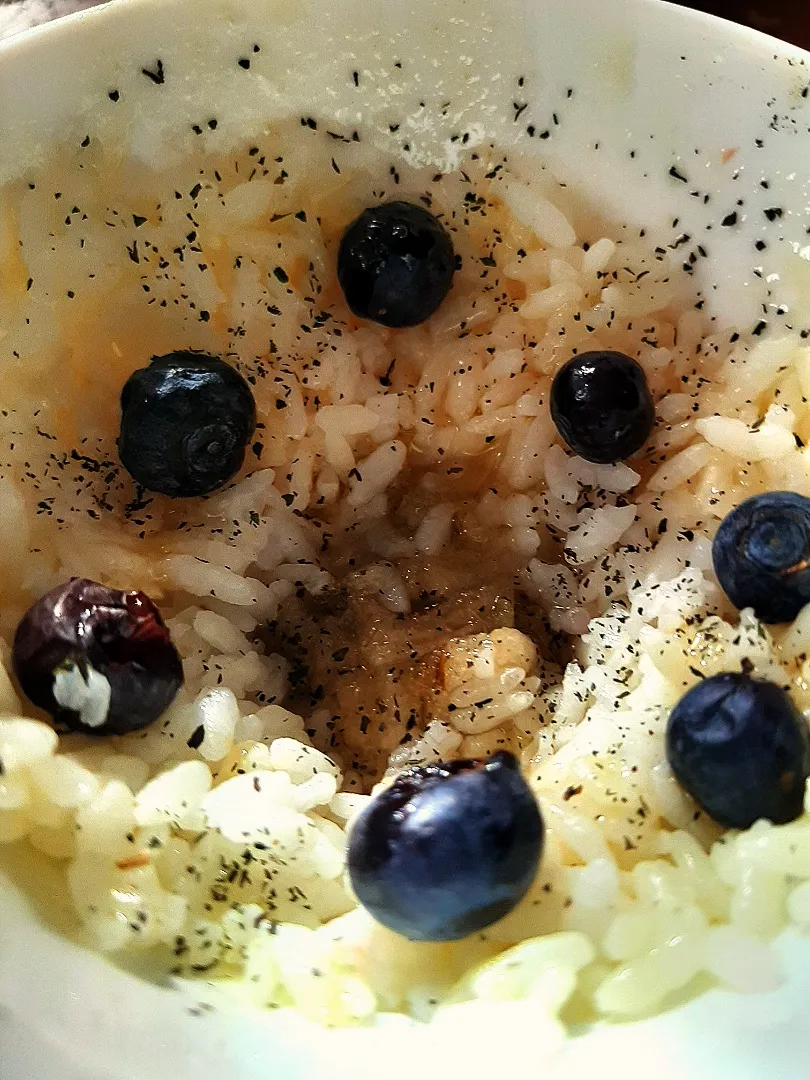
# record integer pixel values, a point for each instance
(668, 120)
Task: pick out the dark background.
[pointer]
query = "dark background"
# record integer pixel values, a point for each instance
(786, 19)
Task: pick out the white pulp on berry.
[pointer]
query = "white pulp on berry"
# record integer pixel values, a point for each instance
(86, 693)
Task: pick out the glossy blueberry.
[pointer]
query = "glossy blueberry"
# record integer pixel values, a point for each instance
(185, 423)
(602, 407)
(761, 555)
(98, 660)
(448, 849)
(741, 748)
(395, 264)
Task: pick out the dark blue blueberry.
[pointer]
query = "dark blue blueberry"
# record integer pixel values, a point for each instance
(185, 423)
(761, 555)
(395, 264)
(448, 849)
(741, 748)
(602, 406)
(98, 660)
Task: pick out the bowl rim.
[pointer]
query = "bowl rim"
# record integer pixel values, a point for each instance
(43, 39)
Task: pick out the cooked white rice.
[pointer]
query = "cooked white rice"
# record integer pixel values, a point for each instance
(386, 464)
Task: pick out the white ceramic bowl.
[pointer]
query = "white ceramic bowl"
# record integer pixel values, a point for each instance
(670, 115)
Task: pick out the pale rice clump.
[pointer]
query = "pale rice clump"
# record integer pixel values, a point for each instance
(384, 465)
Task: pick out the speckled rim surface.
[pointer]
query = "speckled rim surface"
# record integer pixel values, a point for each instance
(688, 126)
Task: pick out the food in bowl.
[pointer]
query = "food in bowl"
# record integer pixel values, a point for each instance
(410, 521)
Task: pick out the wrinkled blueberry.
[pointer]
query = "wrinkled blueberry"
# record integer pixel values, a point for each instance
(395, 264)
(447, 849)
(98, 660)
(761, 555)
(185, 423)
(741, 748)
(602, 407)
